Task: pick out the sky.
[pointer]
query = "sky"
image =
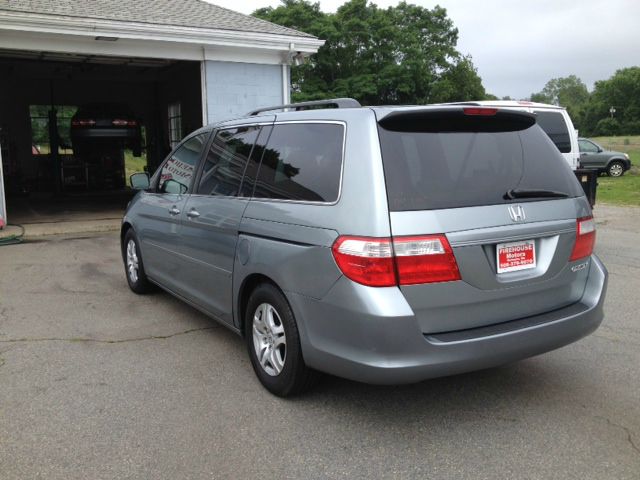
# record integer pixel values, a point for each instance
(518, 45)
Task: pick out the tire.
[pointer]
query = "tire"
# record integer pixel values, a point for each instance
(272, 335)
(133, 267)
(615, 169)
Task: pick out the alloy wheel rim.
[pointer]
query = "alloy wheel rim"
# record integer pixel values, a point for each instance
(269, 339)
(132, 261)
(616, 170)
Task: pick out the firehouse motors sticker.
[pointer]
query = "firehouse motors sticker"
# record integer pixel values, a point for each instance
(177, 170)
(516, 256)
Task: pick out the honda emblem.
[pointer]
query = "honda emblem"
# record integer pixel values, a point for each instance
(516, 212)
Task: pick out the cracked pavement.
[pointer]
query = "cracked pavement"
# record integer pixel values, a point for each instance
(96, 382)
(103, 340)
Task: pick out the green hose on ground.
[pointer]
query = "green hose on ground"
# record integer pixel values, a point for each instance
(13, 239)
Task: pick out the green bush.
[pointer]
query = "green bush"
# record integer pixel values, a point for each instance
(608, 127)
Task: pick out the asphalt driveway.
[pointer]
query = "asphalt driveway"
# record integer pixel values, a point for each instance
(98, 383)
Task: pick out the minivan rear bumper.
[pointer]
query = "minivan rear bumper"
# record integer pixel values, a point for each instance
(371, 335)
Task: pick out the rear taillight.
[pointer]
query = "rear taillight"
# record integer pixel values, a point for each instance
(480, 111)
(124, 123)
(412, 260)
(365, 260)
(83, 123)
(585, 238)
(425, 259)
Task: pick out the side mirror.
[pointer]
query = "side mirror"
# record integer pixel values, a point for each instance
(171, 186)
(139, 181)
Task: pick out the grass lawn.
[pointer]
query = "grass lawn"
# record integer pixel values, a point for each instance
(623, 190)
(133, 164)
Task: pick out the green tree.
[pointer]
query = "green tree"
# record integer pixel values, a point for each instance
(459, 82)
(564, 91)
(401, 54)
(569, 92)
(541, 98)
(622, 92)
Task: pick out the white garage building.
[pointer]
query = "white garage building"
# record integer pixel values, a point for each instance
(176, 64)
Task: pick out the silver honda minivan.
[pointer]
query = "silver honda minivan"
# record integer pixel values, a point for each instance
(381, 244)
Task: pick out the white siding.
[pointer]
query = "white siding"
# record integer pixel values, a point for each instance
(233, 89)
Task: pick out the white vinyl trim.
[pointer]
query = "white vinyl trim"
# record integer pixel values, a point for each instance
(89, 27)
(3, 204)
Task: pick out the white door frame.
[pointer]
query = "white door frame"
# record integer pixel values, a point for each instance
(3, 203)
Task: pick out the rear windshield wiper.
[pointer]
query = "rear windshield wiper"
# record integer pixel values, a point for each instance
(515, 193)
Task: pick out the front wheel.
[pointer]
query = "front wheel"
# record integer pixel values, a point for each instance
(615, 169)
(273, 342)
(136, 277)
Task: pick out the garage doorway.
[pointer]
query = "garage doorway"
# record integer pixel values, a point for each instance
(73, 128)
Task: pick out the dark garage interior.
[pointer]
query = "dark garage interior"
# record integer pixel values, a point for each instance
(48, 174)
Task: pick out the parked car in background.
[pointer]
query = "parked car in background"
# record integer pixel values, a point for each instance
(382, 244)
(97, 123)
(594, 157)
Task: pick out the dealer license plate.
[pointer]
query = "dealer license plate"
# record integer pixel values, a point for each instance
(516, 256)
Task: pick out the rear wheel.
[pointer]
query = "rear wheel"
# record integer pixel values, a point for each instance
(615, 169)
(273, 342)
(136, 277)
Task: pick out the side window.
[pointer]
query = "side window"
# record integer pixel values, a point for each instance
(178, 170)
(555, 127)
(174, 115)
(302, 161)
(226, 163)
(587, 146)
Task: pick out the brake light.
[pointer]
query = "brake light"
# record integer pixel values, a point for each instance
(425, 259)
(585, 238)
(83, 123)
(124, 123)
(412, 260)
(488, 112)
(365, 260)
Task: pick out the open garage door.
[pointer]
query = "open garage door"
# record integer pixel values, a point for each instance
(74, 127)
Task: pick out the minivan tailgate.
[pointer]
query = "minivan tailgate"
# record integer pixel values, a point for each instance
(483, 296)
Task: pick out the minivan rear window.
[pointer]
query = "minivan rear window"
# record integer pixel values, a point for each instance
(554, 125)
(434, 170)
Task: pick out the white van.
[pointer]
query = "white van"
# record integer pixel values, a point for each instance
(554, 120)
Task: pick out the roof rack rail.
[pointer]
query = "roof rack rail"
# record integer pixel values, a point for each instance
(336, 102)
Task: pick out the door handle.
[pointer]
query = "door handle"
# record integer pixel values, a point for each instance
(193, 213)
(174, 210)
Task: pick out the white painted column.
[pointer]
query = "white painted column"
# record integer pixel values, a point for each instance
(203, 89)
(286, 86)
(3, 204)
